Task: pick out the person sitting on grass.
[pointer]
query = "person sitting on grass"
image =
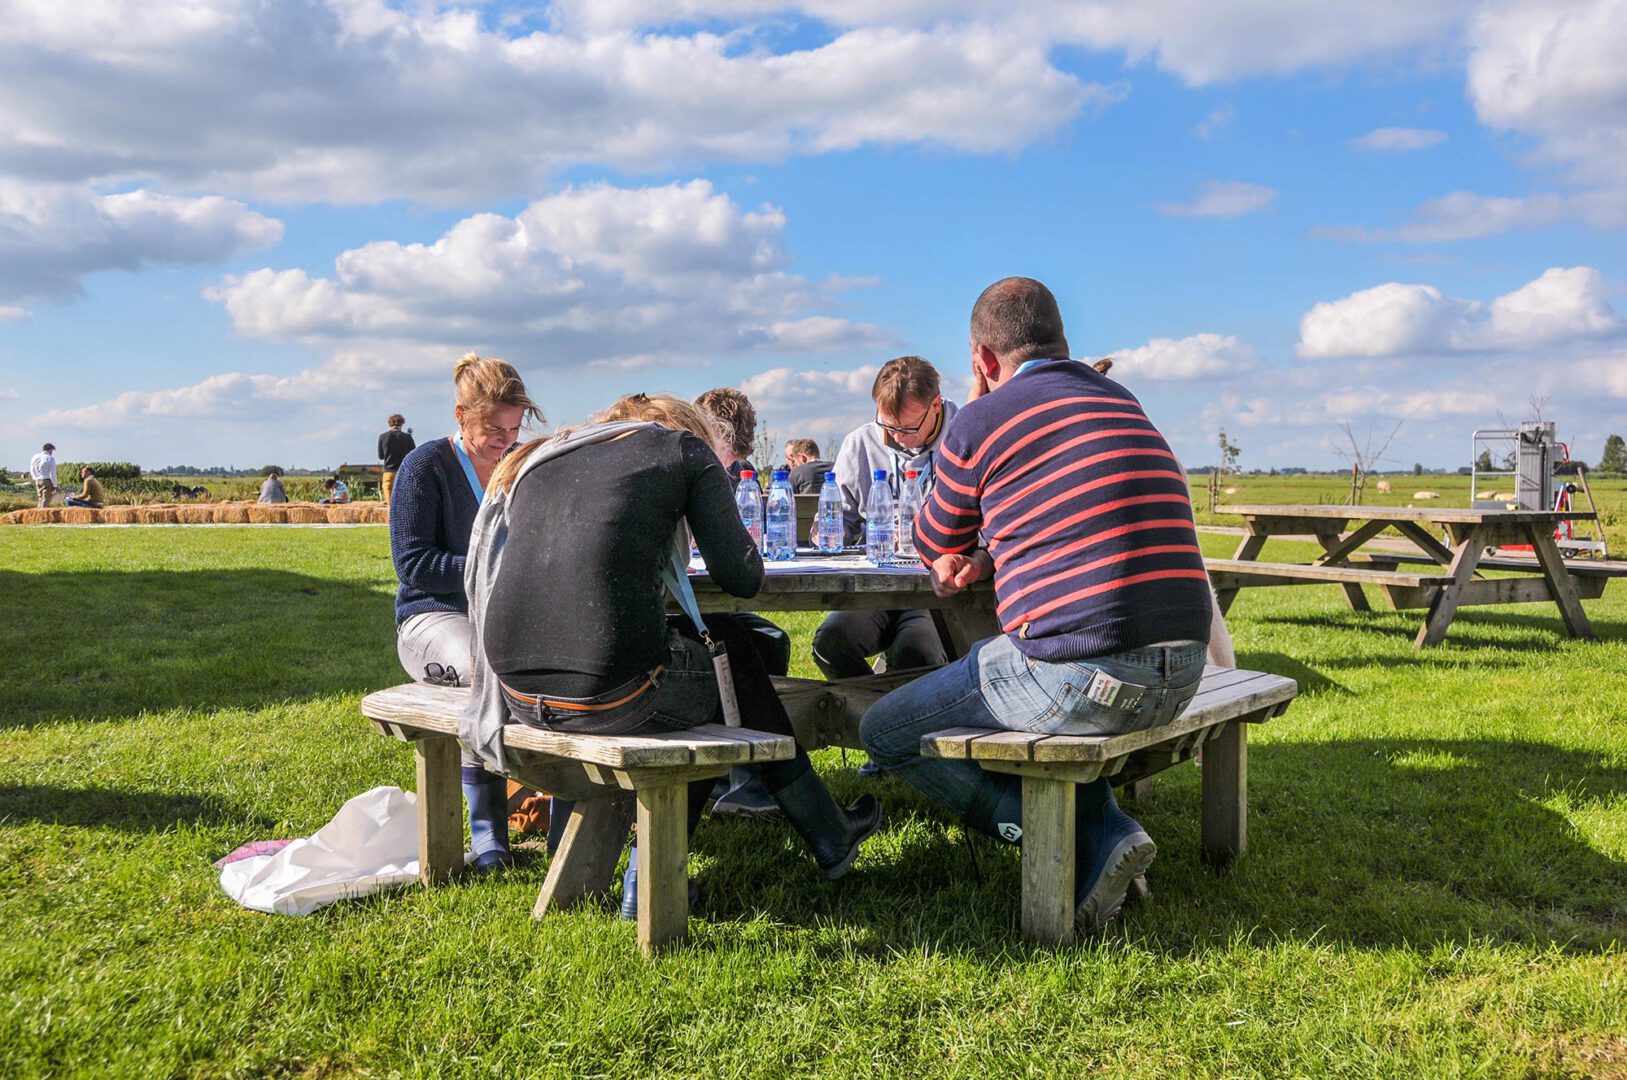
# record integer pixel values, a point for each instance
(437, 494)
(1101, 591)
(338, 491)
(566, 583)
(271, 490)
(91, 496)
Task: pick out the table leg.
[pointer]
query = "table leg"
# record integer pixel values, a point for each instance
(1353, 594)
(961, 628)
(1225, 794)
(1048, 860)
(1425, 541)
(1560, 583)
(663, 851)
(440, 809)
(1248, 549)
(1337, 552)
(1445, 605)
(586, 860)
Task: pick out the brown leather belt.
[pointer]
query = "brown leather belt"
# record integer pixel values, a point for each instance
(580, 706)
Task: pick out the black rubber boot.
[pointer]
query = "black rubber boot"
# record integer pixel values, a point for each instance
(831, 833)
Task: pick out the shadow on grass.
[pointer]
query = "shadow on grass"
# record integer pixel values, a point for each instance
(1310, 679)
(110, 808)
(1477, 627)
(1375, 843)
(101, 645)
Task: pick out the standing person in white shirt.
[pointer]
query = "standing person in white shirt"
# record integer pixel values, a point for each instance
(42, 467)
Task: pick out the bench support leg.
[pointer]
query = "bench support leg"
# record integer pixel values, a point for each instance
(440, 809)
(663, 851)
(1225, 794)
(1330, 543)
(586, 860)
(1048, 860)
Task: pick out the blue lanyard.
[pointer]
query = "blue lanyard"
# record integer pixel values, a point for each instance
(468, 468)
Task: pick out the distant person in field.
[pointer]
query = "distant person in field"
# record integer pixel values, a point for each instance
(734, 418)
(394, 446)
(42, 467)
(338, 491)
(808, 469)
(90, 496)
(441, 485)
(271, 489)
(1053, 482)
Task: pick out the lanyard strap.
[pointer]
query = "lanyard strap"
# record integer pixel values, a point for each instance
(675, 575)
(468, 468)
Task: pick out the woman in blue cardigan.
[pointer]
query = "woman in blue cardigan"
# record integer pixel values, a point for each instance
(436, 495)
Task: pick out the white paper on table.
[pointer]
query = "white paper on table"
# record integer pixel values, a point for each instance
(813, 563)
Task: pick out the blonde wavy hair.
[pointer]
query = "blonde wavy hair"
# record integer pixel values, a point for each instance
(668, 410)
(485, 383)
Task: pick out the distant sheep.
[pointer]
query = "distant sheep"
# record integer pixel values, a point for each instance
(1383, 487)
(1426, 494)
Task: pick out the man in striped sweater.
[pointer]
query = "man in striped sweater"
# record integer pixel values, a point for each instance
(1053, 481)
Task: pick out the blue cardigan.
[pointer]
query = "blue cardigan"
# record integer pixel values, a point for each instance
(432, 513)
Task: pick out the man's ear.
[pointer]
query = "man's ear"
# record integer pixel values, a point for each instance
(987, 362)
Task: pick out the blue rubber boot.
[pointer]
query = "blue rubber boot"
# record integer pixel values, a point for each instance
(746, 797)
(1111, 850)
(487, 796)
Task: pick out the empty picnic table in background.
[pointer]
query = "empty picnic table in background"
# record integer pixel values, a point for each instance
(1443, 574)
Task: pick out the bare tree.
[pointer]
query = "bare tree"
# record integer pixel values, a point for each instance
(1362, 457)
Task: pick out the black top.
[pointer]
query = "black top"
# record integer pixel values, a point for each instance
(394, 446)
(809, 478)
(578, 607)
(432, 513)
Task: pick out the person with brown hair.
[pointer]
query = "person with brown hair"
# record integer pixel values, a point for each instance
(808, 469)
(92, 496)
(566, 588)
(441, 485)
(394, 446)
(911, 418)
(736, 423)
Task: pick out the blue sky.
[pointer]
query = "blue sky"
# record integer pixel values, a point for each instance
(238, 232)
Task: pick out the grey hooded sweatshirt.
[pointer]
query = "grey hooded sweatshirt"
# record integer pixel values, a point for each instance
(868, 448)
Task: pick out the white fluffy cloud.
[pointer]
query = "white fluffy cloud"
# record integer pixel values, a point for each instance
(816, 402)
(354, 101)
(596, 273)
(52, 235)
(1395, 319)
(1399, 139)
(1200, 356)
(1223, 199)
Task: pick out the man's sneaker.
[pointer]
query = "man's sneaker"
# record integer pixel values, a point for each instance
(870, 769)
(1115, 860)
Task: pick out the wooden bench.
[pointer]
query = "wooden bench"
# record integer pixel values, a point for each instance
(1589, 577)
(1050, 765)
(606, 775)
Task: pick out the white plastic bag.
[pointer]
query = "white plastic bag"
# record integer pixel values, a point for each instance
(371, 844)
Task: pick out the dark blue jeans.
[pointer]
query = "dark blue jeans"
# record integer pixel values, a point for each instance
(996, 686)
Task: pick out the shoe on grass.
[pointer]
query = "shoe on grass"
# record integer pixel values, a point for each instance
(1107, 868)
(870, 770)
(746, 798)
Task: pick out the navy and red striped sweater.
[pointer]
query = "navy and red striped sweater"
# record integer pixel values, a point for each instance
(1084, 510)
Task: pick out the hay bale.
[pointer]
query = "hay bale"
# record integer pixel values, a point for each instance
(15, 517)
(1426, 494)
(307, 514)
(40, 517)
(268, 514)
(119, 515)
(195, 515)
(348, 514)
(157, 514)
(78, 515)
(1383, 487)
(377, 514)
(231, 513)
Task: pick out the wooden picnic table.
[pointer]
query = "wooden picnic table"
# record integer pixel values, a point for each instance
(1450, 575)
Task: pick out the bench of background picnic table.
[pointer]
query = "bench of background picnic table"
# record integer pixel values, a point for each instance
(599, 771)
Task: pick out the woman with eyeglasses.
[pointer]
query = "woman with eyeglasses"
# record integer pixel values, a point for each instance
(582, 544)
(437, 493)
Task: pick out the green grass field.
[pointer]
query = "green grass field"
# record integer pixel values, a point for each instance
(1436, 883)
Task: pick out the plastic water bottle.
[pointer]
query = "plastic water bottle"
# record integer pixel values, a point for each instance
(748, 498)
(878, 521)
(780, 527)
(909, 504)
(828, 526)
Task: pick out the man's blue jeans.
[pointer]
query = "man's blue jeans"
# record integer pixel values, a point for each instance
(996, 686)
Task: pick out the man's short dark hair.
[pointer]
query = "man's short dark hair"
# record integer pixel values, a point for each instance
(396, 420)
(904, 378)
(49, 448)
(736, 419)
(802, 446)
(1018, 318)
(329, 482)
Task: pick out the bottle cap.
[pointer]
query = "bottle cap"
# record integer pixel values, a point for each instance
(782, 474)
(830, 476)
(747, 474)
(879, 474)
(911, 474)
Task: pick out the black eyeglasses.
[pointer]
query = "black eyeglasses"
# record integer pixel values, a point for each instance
(896, 429)
(440, 675)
